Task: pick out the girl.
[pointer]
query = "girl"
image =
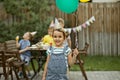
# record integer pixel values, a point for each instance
(58, 58)
(25, 55)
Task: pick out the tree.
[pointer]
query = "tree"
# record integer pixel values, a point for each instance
(27, 15)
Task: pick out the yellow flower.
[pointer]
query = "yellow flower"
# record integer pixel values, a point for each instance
(84, 0)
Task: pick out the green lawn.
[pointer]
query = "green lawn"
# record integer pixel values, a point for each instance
(100, 63)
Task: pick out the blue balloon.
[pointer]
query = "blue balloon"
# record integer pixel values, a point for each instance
(67, 6)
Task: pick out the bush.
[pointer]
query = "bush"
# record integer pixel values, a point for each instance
(27, 15)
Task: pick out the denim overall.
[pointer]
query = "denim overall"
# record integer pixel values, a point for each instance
(57, 69)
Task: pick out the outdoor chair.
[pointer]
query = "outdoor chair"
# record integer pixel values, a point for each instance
(85, 49)
(80, 61)
(2, 48)
(3, 63)
(12, 58)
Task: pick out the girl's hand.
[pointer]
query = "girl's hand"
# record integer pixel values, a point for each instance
(75, 52)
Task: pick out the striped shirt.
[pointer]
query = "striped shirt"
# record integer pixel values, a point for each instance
(57, 50)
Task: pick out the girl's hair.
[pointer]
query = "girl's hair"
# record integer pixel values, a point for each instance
(61, 30)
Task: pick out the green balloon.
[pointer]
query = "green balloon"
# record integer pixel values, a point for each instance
(67, 6)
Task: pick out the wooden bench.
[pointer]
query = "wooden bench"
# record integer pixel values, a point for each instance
(2, 48)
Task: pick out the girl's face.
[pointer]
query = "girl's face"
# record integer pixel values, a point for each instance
(58, 38)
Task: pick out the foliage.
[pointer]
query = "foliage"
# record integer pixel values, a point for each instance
(3, 31)
(27, 15)
(1, 0)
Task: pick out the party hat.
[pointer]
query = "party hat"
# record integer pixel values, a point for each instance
(33, 33)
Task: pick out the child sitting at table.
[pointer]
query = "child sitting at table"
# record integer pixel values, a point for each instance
(58, 58)
(24, 45)
(48, 39)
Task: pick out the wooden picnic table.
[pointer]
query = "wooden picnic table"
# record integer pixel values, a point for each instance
(40, 56)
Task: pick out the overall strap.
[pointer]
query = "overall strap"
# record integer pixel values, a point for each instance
(65, 48)
(51, 49)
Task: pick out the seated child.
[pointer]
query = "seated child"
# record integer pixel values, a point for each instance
(25, 54)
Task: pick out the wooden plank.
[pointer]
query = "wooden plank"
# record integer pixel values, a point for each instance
(90, 31)
(102, 51)
(103, 29)
(114, 31)
(87, 30)
(118, 28)
(109, 22)
(83, 19)
(108, 29)
(111, 30)
(97, 27)
(80, 21)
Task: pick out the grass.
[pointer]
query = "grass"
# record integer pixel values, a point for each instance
(98, 63)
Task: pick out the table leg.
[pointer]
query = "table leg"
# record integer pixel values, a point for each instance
(35, 72)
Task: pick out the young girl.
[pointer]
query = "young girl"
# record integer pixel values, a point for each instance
(24, 45)
(58, 58)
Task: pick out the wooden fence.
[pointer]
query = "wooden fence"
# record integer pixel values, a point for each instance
(104, 34)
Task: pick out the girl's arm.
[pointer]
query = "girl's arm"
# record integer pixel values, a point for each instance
(72, 57)
(45, 67)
